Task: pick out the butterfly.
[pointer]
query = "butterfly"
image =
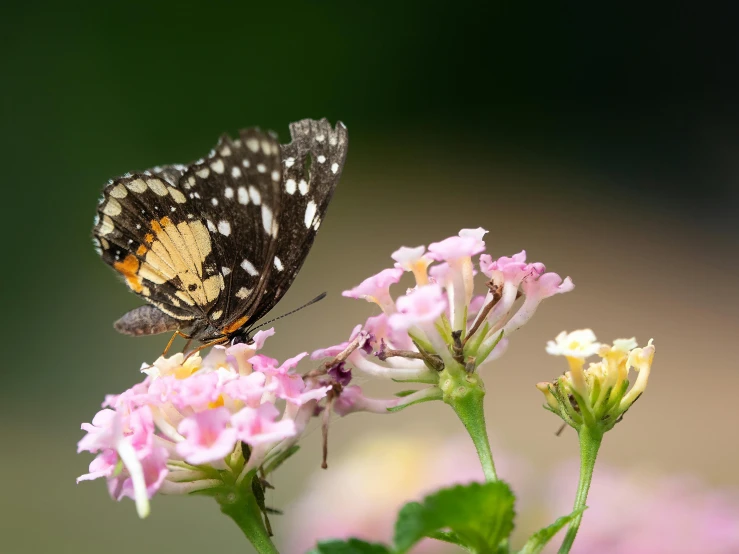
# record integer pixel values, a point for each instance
(214, 245)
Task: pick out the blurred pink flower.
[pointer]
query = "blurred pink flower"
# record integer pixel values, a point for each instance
(640, 513)
(628, 512)
(360, 494)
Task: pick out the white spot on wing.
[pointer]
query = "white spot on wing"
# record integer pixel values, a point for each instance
(211, 227)
(289, 162)
(261, 168)
(267, 219)
(320, 159)
(235, 172)
(106, 227)
(229, 192)
(334, 168)
(290, 186)
(320, 138)
(157, 187)
(218, 166)
(275, 175)
(225, 271)
(253, 144)
(310, 212)
(225, 151)
(177, 195)
(256, 198)
(249, 268)
(278, 264)
(243, 196)
(224, 227)
(118, 191)
(203, 173)
(214, 201)
(137, 185)
(217, 314)
(112, 208)
(243, 293)
(246, 163)
(303, 186)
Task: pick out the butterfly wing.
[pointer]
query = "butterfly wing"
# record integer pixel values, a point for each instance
(170, 232)
(311, 167)
(237, 193)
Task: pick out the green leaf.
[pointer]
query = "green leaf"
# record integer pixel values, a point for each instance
(350, 546)
(539, 540)
(404, 393)
(479, 516)
(281, 457)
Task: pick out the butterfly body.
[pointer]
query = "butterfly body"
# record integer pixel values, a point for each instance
(214, 245)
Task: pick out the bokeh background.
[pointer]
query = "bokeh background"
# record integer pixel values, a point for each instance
(604, 140)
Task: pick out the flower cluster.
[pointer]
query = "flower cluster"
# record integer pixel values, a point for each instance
(197, 423)
(596, 396)
(441, 324)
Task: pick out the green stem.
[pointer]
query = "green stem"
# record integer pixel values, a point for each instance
(245, 512)
(590, 439)
(469, 408)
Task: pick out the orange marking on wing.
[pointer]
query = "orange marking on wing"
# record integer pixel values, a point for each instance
(228, 329)
(149, 238)
(141, 250)
(129, 268)
(158, 226)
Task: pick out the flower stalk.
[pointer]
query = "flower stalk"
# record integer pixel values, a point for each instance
(590, 440)
(242, 507)
(465, 392)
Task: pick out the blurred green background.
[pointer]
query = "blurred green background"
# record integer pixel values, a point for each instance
(602, 140)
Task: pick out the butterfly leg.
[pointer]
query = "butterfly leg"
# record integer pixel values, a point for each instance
(176, 334)
(214, 342)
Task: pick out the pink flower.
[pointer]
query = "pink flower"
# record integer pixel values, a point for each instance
(443, 306)
(377, 288)
(248, 390)
(414, 260)
(155, 471)
(198, 391)
(422, 306)
(207, 436)
(406, 258)
(102, 433)
(352, 399)
(464, 246)
(639, 513)
(546, 285)
(148, 438)
(102, 466)
(333, 351)
(258, 426)
(504, 268)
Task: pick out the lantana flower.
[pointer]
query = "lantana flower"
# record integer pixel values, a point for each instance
(200, 424)
(441, 331)
(441, 324)
(599, 395)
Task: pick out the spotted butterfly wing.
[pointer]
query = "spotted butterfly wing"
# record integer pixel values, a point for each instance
(214, 245)
(311, 167)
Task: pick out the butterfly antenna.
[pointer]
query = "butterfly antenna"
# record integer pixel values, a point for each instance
(316, 299)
